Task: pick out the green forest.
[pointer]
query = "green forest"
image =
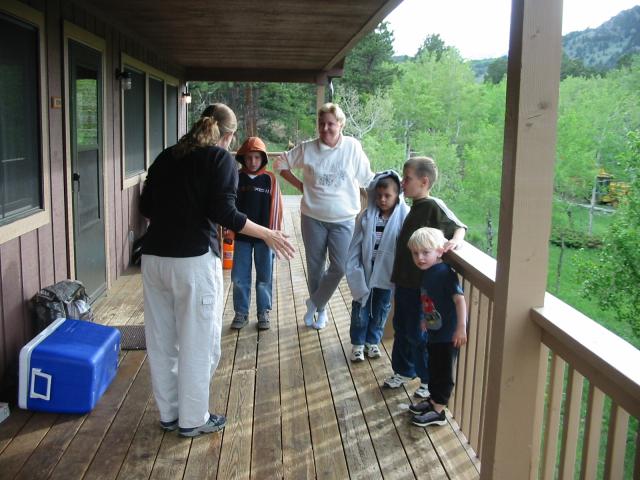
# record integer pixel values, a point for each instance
(434, 104)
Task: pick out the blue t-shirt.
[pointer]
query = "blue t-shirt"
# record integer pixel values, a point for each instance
(438, 286)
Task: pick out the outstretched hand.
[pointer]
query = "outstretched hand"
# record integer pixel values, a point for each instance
(280, 163)
(277, 241)
(452, 244)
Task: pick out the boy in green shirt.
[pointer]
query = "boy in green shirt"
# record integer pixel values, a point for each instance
(409, 354)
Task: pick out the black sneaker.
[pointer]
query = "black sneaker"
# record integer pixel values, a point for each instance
(239, 321)
(214, 424)
(430, 418)
(421, 408)
(264, 322)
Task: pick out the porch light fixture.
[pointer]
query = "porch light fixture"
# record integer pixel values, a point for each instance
(186, 96)
(125, 79)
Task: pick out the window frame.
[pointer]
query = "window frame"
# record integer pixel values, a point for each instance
(132, 180)
(41, 217)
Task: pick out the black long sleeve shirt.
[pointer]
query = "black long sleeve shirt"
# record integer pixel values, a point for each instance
(184, 199)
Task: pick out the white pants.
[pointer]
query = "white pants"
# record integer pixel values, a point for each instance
(183, 319)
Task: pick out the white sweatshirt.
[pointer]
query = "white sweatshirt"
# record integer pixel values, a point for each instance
(332, 177)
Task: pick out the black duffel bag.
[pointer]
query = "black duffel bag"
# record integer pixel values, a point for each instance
(65, 299)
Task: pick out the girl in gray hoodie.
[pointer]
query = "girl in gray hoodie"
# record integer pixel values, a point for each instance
(370, 262)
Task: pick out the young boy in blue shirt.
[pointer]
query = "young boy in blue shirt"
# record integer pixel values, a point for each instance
(370, 260)
(409, 354)
(443, 317)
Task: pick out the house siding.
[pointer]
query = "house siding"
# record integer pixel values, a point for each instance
(41, 257)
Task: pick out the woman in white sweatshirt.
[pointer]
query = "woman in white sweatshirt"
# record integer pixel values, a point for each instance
(334, 167)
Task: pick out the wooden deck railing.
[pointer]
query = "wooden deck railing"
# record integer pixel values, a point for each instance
(586, 421)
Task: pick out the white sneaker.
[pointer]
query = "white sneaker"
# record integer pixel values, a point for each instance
(396, 380)
(422, 391)
(357, 353)
(372, 351)
(322, 320)
(311, 311)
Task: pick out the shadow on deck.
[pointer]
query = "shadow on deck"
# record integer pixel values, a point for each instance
(296, 406)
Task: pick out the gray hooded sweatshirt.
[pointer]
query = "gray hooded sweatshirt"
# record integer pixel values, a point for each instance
(361, 275)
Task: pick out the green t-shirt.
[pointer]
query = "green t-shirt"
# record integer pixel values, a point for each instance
(426, 212)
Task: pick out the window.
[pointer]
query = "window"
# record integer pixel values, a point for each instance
(172, 115)
(156, 118)
(24, 141)
(150, 117)
(134, 116)
(21, 182)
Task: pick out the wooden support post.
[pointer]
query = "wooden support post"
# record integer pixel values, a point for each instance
(320, 93)
(533, 77)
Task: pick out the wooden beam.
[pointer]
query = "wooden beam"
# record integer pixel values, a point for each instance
(371, 24)
(257, 75)
(533, 77)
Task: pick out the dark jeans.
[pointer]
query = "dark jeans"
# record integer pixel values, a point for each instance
(442, 359)
(409, 354)
(367, 322)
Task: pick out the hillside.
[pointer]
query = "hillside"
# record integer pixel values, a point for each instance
(602, 47)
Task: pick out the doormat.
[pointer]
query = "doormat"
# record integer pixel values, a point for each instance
(132, 337)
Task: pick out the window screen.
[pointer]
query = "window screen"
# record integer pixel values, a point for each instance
(20, 153)
(134, 106)
(156, 118)
(172, 115)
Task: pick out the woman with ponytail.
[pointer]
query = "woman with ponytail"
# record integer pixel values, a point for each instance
(190, 188)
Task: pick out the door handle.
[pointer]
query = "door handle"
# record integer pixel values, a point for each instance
(76, 178)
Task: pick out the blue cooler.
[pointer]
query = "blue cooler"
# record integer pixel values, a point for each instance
(68, 366)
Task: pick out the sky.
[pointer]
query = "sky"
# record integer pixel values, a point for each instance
(480, 28)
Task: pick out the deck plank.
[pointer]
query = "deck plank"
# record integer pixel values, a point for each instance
(386, 441)
(86, 442)
(356, 443)
(12, 426)
(116, 443)
(298, 462)
(49, 451)
(144, 448)
(327, 444)
(22, 446)
(266, 450)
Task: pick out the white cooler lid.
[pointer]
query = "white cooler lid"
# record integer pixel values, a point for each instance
(25, 360)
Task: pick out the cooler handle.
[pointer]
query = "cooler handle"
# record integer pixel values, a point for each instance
(37, 372)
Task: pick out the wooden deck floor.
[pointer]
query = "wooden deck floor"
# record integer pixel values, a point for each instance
(296, 407)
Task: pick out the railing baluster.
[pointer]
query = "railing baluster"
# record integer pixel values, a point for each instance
(459, 412)
(571, 427)
(478, 377)
(553, 417)
(636, 464)
(616, 443)
(592, 430)
(487, 353)
(469, 379)
(543, 369)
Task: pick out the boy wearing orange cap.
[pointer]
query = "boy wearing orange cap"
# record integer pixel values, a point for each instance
(260, 199)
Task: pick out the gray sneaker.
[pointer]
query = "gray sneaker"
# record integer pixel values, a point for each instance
(214, 424)
(239, 321)
(264, 322)
(169, 426)
(430, 417)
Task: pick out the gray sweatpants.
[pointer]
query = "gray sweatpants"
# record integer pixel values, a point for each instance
(319, 239)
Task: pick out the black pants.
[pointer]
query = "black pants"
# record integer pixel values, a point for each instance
(442, 360)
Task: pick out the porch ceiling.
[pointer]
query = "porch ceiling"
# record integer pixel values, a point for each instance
(250, 40)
